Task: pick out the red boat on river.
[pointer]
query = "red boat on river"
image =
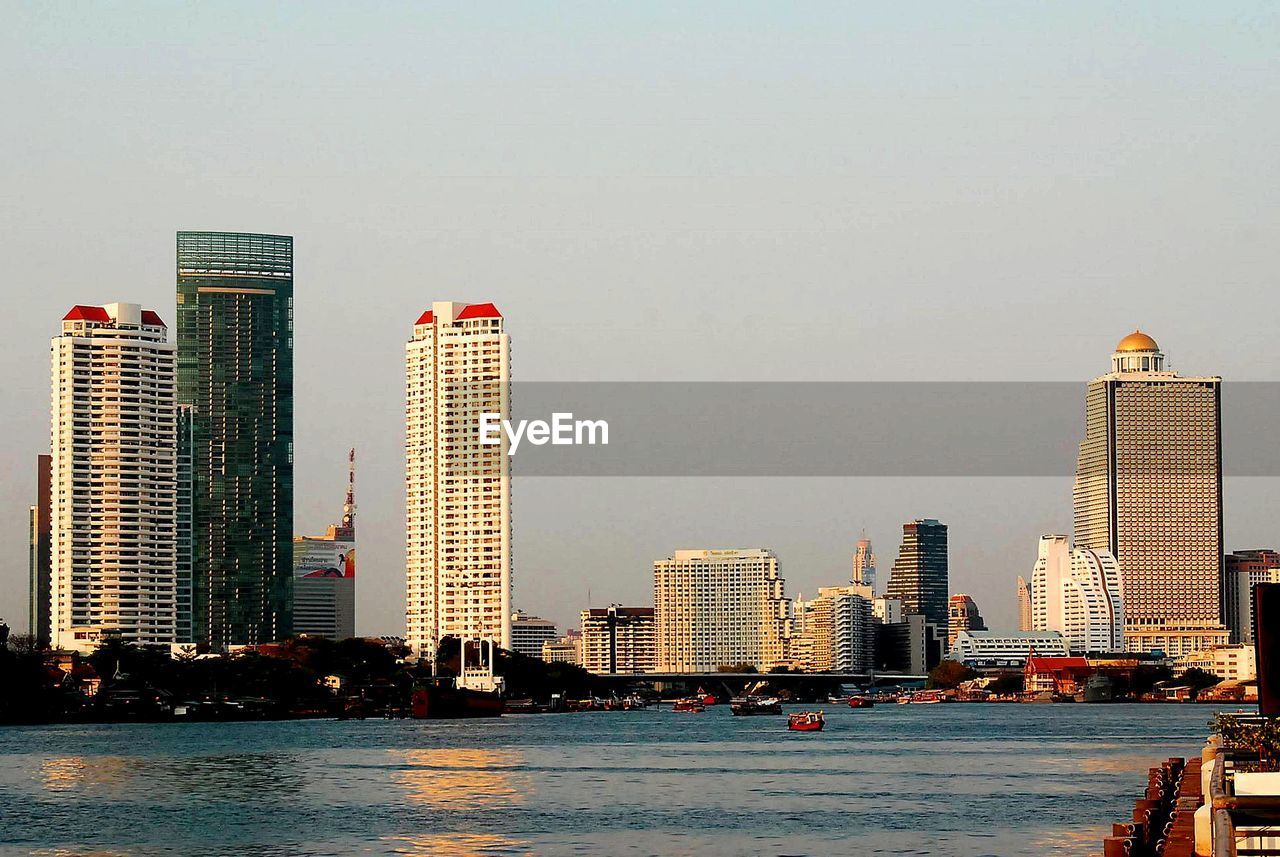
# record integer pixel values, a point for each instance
(860, 702)
(806, 721)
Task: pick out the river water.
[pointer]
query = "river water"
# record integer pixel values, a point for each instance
(896, 779)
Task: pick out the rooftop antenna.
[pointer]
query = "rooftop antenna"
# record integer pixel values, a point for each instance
(349, 507)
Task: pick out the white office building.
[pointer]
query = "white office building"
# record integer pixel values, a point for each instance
(114, 479)
(1000, 649)
(1078, 592)
(717, 608)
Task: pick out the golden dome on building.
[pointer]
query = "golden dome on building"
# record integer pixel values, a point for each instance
(1137, 341)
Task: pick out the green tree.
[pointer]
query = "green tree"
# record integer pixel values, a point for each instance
(948, 674)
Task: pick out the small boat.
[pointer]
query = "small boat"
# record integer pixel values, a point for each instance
(806, 721)
(694, 706)
(860, 702)
(927, 697)
(839, 700)
(746, 706)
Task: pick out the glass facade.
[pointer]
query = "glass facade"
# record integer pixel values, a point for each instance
(235, 370)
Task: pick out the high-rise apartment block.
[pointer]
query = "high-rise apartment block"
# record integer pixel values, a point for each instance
(719, 608)
(1148, 491)
(458, 487)
(1244, 570)
(962, 615)
(235, 371)
(39, 560)
(324, 574)
(113, 476)
(1078, 593)
(619, 640)
(834, 631)
(919, 578)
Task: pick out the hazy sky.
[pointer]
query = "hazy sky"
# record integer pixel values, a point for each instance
(696, 191)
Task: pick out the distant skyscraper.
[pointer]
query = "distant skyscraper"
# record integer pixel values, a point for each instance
(919, 577)
(186, 507)
(1244, 569)
(113, 479)
(1148, 490)
(39, 560)
(1024, 604)
(324, 574)
(718, 608)
(458, 367)
(963, 615)
(235, 370)
(864, 565)
(619, 640)
(1078, 593)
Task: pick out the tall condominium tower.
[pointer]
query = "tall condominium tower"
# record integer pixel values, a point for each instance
(324, 570)
(1244, 570)
(1024, 604)
(1148, 491)
(962, 615)
(834, 630)
(113, 479)
(458, 367)
(919, 575)
(864, 565)
(235, 370)
(715, 608)
(1077, 592)
(618, 640)
(39, 560)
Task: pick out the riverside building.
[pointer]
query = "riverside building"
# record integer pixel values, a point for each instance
(528, 633)
(113, 479)
(834, 631)
(1244, 570)
(619, 640)
(235, 371)
(919, 578)
(1148, 491)
(458, 489)
(717, 608)
(1078, 592)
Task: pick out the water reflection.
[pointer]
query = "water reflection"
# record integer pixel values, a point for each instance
(460, 845)
(74, 772)
(447, 778)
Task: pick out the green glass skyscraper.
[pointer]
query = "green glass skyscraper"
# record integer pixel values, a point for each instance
(235, 371)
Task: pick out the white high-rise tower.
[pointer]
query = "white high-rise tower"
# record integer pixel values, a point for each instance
(1077, 592)
(114, 479)
(458, 490)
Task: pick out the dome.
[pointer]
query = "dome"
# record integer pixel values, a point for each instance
(1137, 341)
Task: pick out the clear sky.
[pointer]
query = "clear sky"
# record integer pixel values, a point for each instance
(712, 191)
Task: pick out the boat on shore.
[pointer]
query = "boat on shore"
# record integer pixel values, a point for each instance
(806, 721)
(747, 706)
(923, 697)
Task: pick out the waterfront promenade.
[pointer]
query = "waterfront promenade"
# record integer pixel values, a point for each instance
(963, 780)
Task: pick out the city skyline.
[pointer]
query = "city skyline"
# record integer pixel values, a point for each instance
(989, 199)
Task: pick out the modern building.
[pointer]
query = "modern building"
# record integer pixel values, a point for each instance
(1148, 491)
(39, 562)
(717, 608)
(458, 368)
(919, 578)
(1233, 663)
(619, 640)
(1000, 649)
(1244, 570)
(528, 633)
(912, 646)
(113, 479)
(886, 610)
(864, 565)
(324, 574)
(566, 649)
(186, 499)
(235, 370)
(1024, 604)
(834, 631)
(963, 615)
(1078, 593)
